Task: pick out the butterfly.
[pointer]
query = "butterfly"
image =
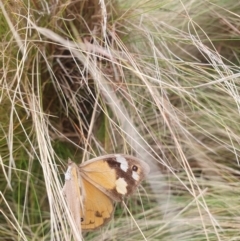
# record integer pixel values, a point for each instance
(92, 187)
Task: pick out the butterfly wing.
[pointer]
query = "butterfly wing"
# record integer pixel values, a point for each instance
(115, 175)
(98, 207)
(91, 188)
(73, 193)
(89, 206)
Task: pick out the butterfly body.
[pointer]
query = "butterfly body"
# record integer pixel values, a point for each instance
(98, 183)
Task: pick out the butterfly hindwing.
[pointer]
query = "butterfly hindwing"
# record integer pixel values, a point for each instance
(89, 206)
(72, 192)
(98, 207)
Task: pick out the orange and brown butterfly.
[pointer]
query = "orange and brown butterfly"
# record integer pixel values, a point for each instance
(91, 188)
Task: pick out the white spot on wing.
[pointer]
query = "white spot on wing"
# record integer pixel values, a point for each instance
(122, 160)
(121, 186)
(68, 174)
(135, 176)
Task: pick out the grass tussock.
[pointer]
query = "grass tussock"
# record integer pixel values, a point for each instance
(159, 80)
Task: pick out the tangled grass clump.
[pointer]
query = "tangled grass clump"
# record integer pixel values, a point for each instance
(157, 80)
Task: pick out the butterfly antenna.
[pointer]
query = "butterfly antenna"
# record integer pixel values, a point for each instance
(134, 220)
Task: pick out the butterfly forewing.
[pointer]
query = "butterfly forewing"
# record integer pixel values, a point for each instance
(116, 175)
